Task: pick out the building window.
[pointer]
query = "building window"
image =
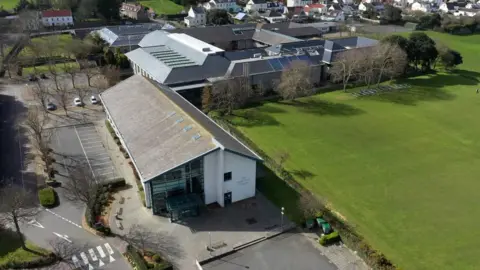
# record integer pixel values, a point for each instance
(227, 176)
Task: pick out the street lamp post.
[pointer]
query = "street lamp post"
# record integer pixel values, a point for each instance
(283, 212)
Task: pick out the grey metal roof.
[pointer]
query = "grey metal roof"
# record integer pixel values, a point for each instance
(159, 136)
(292, 29)
(219, 34)
(355, 42)
(271, 37)
(198, 10)
(224, 138)
(238, 55)
(124, 35)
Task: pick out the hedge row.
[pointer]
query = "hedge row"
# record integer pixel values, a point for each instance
(349, 236)
(38, 263)
(47, 197)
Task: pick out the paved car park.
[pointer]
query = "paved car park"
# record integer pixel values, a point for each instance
(82, 144)
(289, 250)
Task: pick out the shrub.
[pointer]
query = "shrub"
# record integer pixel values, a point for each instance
(118, 182)
(47, 197)
(329, 239)
(38, 263)
(156, 258)
(110, 128)
(125, 154)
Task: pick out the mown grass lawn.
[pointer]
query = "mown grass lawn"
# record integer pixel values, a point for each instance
(11, 250)
(8, 4)
(56, 43)
(402, 167)
(46, 69)
(163, 6)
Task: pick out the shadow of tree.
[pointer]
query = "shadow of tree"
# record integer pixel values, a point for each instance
(304, 174)
(9, 242)
(252, 117)
(432, 87)
(322, 107)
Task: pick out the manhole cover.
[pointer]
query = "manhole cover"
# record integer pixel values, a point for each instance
(251, 221)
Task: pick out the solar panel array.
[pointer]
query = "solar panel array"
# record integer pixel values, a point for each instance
(285, 62)
(172, 58)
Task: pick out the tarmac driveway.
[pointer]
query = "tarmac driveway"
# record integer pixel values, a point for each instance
(287, 251)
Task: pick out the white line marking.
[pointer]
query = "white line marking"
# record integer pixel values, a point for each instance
(102, 163)
(64, 237)
(94, 146)
(84, 257)
(112, 259)
(53, 213)
(102, 158)
(36, 224)
(100, 264)
(92, 141)
(100, 251)
(102, 174)
(85, 154)
(109, 248)
(90, 267)
(76, 262)
(92, 255)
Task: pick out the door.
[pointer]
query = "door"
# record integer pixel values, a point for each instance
(227, 198)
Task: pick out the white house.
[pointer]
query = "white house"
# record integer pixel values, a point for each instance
(182, 158)
(277, 6)
(466, 12)
(376, 6)
(451, 7)
(196, 17)
(345, 8)
(256, 5)
(334, 16)
(273, 16)
(228, 5)
(298, 3)
(314, 9)
(421, 6)
(57, 17)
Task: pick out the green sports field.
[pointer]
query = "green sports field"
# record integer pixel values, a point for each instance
(163, 6)
(8, 4)
(402, 167)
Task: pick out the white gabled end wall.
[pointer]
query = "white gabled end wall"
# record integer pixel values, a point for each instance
(242, 184)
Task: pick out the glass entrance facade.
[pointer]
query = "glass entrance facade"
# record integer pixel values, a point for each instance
(185, 179)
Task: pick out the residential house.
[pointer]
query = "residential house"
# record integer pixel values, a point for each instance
(196, 17)
(183, 158)
(466, 12)
(378, 7)
(451, 7)
(228, 5)
(297, 13)
(335, 16)
(339, 7)
(298, 3)
(421, 6)
(256, 5)
(273, 16)
(57, 17)
(315, 9)
(277, 6)
(135, 11)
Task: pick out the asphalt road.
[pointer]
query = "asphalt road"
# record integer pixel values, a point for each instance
(284, 252)
(12, 138)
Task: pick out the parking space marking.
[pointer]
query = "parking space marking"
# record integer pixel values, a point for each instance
(101, 164)
(88, 161)
(90, 142)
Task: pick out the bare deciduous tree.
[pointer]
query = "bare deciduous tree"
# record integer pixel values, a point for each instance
(390, 61)
(82, 186)
(230, 94)
(309, 205)
(72, 71)
(64, 251)
(158, 242)
(112, 75)
(346, 66)
(90, 70)
(40, 93)
(52, 69)
(281, 157)
(295, 81)
(17, 205)
(62, 96)
(36, 122)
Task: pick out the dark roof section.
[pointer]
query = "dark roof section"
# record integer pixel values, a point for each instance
(239, 55)
(298, 32)
(355, 42)
(294, 47)
(224, 138)
(214, 34)
(258, 2)
(198, 10)
(271, 37)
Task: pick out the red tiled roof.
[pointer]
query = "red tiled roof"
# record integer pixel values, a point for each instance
(315, 6)
(56, 13)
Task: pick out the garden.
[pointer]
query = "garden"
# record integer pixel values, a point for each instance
(163, 6)
(385, 163)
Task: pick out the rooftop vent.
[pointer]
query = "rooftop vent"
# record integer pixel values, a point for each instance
(207, 49)
(257, 55)
(196, 136)
(187, 128)
(179, 120)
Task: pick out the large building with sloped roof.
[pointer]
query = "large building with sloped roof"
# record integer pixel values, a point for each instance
(182, 157)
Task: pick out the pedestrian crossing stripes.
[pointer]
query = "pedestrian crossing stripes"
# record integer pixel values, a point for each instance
(94, 257)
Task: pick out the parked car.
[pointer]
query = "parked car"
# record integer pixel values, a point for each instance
(43, 76)
(32, 78)
(51, 106)
(94, 100)
(77, 102)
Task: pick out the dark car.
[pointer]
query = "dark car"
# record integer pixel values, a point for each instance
(32, 78)
(43, 76)
(51, 106)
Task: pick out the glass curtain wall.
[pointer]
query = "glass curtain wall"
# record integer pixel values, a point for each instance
(185, 179)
